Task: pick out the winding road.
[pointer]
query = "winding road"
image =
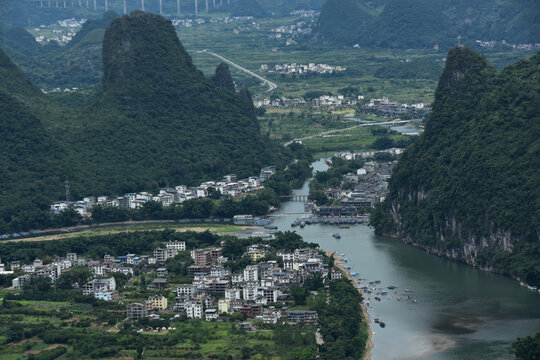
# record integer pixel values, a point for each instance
(271, 85)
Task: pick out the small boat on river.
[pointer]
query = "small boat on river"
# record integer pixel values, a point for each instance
(382, 324)
(336, 235)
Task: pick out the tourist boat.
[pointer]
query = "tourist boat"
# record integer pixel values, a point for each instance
(382, 324)
(302, 224)
(377, 298)
(344, 226)
(377, 320)
(354, 274)
(392, 287)
(383, 292)
(336, 235)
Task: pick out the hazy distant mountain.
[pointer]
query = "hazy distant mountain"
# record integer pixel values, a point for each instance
(468, 187)
(260, 8)
(77, 64)
(424, 23)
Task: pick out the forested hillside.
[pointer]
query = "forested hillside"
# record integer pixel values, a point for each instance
(468, 187)
(78, 64)
(425, 23)
(157, 121)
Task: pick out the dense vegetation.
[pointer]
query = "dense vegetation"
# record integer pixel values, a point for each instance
(425, 23)
(140, 242)
(472, 179)
(157, 121)
(527, 348)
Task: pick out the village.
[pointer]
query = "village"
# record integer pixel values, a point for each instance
(61, 32)
(229, 186)
(258, 291)
(358, 191)
(190, 22)
(295, 68)
(385, 107)
(323, 101)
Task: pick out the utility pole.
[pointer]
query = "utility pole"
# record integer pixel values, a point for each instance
(207, 6)
(196, 8)
(160, 7)
(178, 7)
(106, 5)
(142, 5)
(125, 10)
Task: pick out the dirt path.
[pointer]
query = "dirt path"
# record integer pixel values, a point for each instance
(104, 231)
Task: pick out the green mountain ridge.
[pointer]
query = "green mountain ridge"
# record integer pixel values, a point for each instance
(78, 64)
(157, 121)
(423, 23)
(468, 187)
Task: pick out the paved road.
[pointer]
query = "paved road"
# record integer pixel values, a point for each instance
(349, 128)
(271, 85)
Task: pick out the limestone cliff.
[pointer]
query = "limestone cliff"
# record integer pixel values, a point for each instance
(467, 189)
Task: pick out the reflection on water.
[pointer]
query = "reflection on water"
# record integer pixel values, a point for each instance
(459, 313)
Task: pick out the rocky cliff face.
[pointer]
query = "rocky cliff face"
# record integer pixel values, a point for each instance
(467, 188)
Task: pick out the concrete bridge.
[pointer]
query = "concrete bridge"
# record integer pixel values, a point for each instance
(294, 197)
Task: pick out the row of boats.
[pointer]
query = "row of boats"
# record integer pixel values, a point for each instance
(329, 220)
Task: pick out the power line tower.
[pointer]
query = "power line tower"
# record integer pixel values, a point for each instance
(67, 186)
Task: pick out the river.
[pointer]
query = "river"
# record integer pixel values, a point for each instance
(459, 312)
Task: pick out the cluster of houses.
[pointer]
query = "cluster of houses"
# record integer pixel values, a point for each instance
(229, 186)
(258, 291)
(63, 31)
(323, 101)
(295, 68)
(293, 30)
(189, 22)
(369, 186)
(339, 101)
(492, 44)
(384, 107)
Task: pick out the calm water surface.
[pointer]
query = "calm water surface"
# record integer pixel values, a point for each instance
(459, 313)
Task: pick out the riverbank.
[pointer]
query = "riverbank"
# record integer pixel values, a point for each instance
(341, 264)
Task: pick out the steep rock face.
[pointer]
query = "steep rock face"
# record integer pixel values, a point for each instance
(158, 120)
(222, 78)
(467, 189)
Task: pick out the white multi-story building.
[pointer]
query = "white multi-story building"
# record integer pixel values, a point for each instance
(176, 245)
(186, 290)
(251, 273)
(233, 294)
(237, 278)
(250, 292)
(193, 310)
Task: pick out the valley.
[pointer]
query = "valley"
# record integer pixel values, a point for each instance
(332, 179)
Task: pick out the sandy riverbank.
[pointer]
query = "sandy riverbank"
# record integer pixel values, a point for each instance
(341, 264)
